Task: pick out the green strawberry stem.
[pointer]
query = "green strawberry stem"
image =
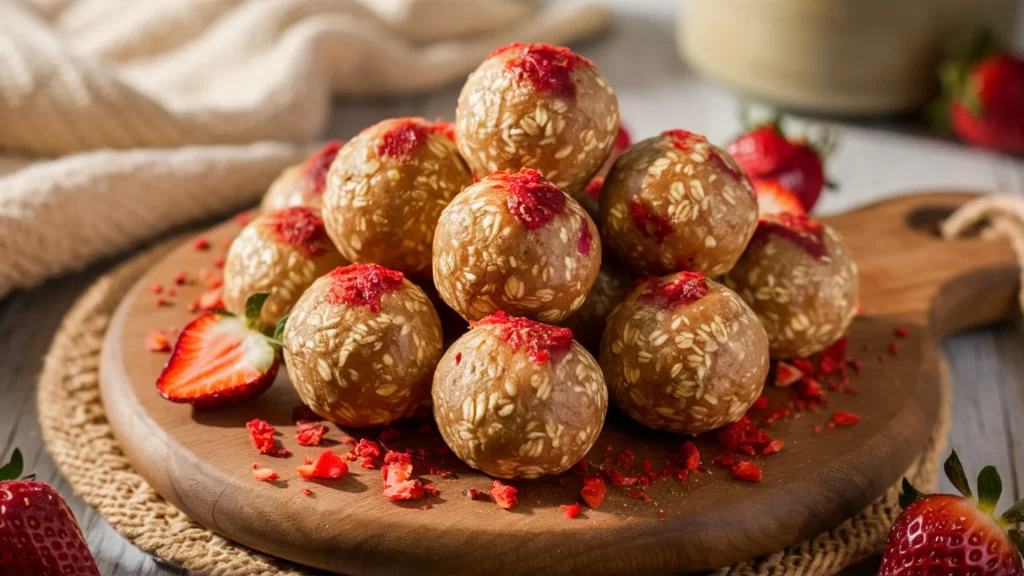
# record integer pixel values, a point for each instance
(954, 75)
(955, 473)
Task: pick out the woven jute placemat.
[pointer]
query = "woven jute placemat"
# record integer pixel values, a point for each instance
(77, 434)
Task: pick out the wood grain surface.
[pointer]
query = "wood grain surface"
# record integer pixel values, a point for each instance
(201, 460)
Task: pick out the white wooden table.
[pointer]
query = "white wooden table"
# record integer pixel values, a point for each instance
(656, 92)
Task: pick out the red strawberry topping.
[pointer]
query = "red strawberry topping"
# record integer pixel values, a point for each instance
(316, 167)
(327, 466)
(542, 341)
(504, 495)
(547, 68)
(530, 197)
(362, 285)
(300, 227)
(403, 138)
(686, 288)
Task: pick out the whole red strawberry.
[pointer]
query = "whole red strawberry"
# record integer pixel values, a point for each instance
(38, 532)
(953, 535)
(766, 153)
(984, 93)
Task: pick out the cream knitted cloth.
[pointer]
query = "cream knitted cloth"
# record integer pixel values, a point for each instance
(121, 119)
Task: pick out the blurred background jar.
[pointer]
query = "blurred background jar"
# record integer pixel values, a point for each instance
(846, 57)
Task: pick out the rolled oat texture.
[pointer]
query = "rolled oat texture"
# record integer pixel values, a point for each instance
(541, 107)
(515, 398)
(517, 243)
(676, 202)
(801, 281)
(387, 188)
(684, 354)
(361, 346)
(282, 253)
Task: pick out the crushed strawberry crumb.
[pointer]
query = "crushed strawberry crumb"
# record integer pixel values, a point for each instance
(900, 332)
(219, 261)
(398, 482)
(362, 285)
(181, 278)
(309, 433)
(746, 471)
(307, 492)
(593, 491)
(327, 466)
(843, 418)
(894, 348)
(262, 435)
(504, 495)
(265, 475)
(773, 447)
(529, 197)
(541, 341)
(571, 510)
(156, 288)
(594, 187)
(201, 243)
(156, 341)
(686, 288)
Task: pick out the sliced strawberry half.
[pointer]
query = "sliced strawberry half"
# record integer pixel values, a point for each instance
(774, 198)
(221, 358)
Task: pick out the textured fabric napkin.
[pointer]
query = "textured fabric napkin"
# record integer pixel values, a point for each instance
(121, 119)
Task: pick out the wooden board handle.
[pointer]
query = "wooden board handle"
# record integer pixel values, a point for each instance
(910, 273)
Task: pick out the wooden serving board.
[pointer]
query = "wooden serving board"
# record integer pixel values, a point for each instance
(201, 460)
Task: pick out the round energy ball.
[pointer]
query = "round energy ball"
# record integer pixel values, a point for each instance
(361, 346)
(387, 188)
(537, 106)
(800, 280)
(517, 243)
(684, 354)
(280, 252)
(676, 202)
(587, 323)
(516, 398)
(302, 184)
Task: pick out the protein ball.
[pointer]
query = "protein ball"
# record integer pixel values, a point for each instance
(537, 106)
(361, 346)
(517, 243)
(516, 398)
(608, 291)
(800, 280)
(676, 202)
(280, 252)
(387, 188)
(302, 184)
(684, 354)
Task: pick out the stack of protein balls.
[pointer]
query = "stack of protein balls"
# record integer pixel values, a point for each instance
(491, 220)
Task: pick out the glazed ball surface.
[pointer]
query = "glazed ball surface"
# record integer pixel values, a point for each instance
(515, 242)
(537, 106)
(684, 354)
(281, 252)
(676, 202)
(361, 346)
(800, 280)
(516, 398)
(386, 189)
(588, 322)
(302, 184)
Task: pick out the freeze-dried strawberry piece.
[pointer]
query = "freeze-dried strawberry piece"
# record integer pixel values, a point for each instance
(571, 510)
(309, 433)
(746, 471)
(262, 435)
(692, 456)
(593, 491)
(504, 495)
(265, 474)
(328, 466)
(156, 341)
(397, 474)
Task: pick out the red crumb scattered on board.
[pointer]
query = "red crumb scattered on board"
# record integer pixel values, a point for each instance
(327, 466)
(156, 341)
(843, 418)
(309, 433)
(571, 510)
(201, 243)
(746, 471)
(504, 495)
(593, 491)
(265, 474)
(262, 435)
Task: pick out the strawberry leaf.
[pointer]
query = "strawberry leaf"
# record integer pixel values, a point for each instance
(990, 488)
(909, 494)
(253, 309)
(13, 469)
(1014, 514)
(279, 329)
(955, 473)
